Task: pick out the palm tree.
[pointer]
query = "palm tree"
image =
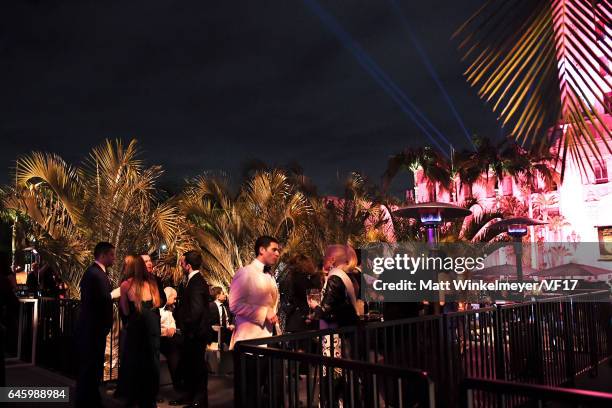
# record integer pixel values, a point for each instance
(293, 170)
(355, 218)
(556, 255)
(539, 173)
(538, 63)
(469, 169)
(225, 225)
(502, 159)
(556, 224)
(110, 197)
(542, 202)
(436, 169)
(404, 161)
(511, 206)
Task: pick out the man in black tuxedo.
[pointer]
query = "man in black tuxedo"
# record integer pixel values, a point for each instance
(193, 319)
(219, 316)
(94, 323)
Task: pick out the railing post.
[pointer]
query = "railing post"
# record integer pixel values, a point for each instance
(608, 323)
(239, 370)
(593, 337)
(111, 346)
(568, 326)
(539, 343)
(446, 376)
(466, 397)
(500, 355)
(500, 370)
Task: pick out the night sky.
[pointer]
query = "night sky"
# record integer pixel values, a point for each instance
(207, 85)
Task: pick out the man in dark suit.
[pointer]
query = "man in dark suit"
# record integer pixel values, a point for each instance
(193, 319)
(94, 323)
(219, 316)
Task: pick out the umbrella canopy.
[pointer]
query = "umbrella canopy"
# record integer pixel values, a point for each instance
(446, 210)
(574, 270)
(503, 224)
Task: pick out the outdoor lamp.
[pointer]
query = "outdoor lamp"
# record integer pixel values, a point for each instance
(432, 215)
(431, 222)
(517, 228)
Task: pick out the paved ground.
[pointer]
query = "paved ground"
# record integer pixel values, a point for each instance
(20, 375)
(220, 388)
(602, 382)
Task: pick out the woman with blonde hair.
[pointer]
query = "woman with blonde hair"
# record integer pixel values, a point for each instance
(139, 301)
(338, 308)
(339, 303)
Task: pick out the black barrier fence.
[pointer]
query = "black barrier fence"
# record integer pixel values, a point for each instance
(478, 392)
(56, 338)
(23, 343)
(270, 377)
(542, 342)
(56, 343)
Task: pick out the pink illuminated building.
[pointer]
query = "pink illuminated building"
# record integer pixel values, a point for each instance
(580, 208)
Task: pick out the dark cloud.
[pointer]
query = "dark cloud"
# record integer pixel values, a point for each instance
(208, 85)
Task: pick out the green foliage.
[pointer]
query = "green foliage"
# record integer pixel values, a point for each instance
(110, 197)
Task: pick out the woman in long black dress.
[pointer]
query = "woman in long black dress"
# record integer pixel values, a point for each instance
(139, 380)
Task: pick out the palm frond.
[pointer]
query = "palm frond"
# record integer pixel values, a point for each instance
(111, 197)
(49, 172)
(539, 63)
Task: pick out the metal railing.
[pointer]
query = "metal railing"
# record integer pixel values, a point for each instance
(23, 343)
(56, 338)
(546, 342)
(478, 392)
(56, 335)
(271, 377)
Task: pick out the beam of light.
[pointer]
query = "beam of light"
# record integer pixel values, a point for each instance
(379, 75)
(432, 71)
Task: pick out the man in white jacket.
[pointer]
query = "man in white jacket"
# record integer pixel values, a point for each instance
(253, 297)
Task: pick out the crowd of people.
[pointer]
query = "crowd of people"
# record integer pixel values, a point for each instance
(180, 323)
